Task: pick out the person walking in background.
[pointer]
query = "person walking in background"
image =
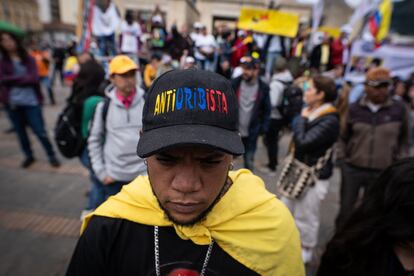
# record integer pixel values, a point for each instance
(320, 57)
(42, 58)
(205, 50)
(87, 92)
(113, 138)
(378, 237)
(20, 82)
(91, 74)
(105, 22)
(71, 68)
(58, 55)
(375, 134)
(315, 133)
(254, 107)
(338, 47)
(274, 47)
(151, 69)
(400, 92)
(240, 48)
(281, 79)
(130, 35)
(180, 43)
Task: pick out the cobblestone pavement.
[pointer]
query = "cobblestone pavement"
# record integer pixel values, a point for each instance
(40, 206)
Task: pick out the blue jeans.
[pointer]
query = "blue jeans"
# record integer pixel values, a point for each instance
(57, 69)
(249, 151)
(22, 116)
(270, 61)
(45, 82)
(206, 64)
(106, 45)
(99, 192)
(96, 194)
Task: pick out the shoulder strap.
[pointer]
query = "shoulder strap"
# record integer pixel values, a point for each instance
(323, 159)
(105, 108)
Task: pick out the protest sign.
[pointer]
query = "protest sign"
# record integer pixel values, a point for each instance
(269, 22)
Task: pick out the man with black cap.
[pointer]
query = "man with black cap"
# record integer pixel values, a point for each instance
(254, 107)
(191, 215)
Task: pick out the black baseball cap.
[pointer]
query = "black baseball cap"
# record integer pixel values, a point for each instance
(249, 61)
(190, 107)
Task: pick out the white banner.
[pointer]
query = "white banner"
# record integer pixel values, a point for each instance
(398, 59)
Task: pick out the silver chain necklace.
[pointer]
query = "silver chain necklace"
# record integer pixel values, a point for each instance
(157, 254)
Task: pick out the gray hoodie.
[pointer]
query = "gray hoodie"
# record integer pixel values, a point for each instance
(112, 148)
(277, 86)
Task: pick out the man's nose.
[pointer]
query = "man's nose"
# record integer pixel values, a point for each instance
(187, 180)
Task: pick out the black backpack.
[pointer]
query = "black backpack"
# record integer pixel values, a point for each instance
(292, 103)
(68, 136)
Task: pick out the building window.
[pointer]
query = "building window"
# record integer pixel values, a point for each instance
(55, 10)
(6, 11)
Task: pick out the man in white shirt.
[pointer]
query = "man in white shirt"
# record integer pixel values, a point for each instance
(104, 23)
(205, 50)
(130, 33)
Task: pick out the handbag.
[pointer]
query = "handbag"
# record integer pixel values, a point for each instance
(297, 177)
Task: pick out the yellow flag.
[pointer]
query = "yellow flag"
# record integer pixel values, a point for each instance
(385, 10)
(269, 22)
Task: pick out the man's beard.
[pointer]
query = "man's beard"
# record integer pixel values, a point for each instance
(202, 215)
(247, 79)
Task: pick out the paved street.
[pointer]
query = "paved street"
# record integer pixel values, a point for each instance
(40, 206)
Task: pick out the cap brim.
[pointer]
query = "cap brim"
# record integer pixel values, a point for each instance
(124, 70)
(377, 82)
(156, 140)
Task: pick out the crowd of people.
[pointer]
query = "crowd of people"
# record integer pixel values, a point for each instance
(190, 124)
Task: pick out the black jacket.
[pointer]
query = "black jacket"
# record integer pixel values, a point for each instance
(260, 120)
(313, 139)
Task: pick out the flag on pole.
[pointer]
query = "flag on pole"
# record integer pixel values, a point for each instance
(84, 29)
(379, 22)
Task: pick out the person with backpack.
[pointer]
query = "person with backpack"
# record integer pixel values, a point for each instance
(87, 91)
(68, 133)
(281, 79)
(19, 83)
(113, 138)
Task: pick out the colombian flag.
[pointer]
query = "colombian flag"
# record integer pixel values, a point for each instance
(379, 22)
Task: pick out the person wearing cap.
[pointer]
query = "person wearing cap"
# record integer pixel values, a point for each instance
(192, 215)
(254, 107)
(376, 133)
(281, 79)
(113, 132)
(196, 31)
(205, 50)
